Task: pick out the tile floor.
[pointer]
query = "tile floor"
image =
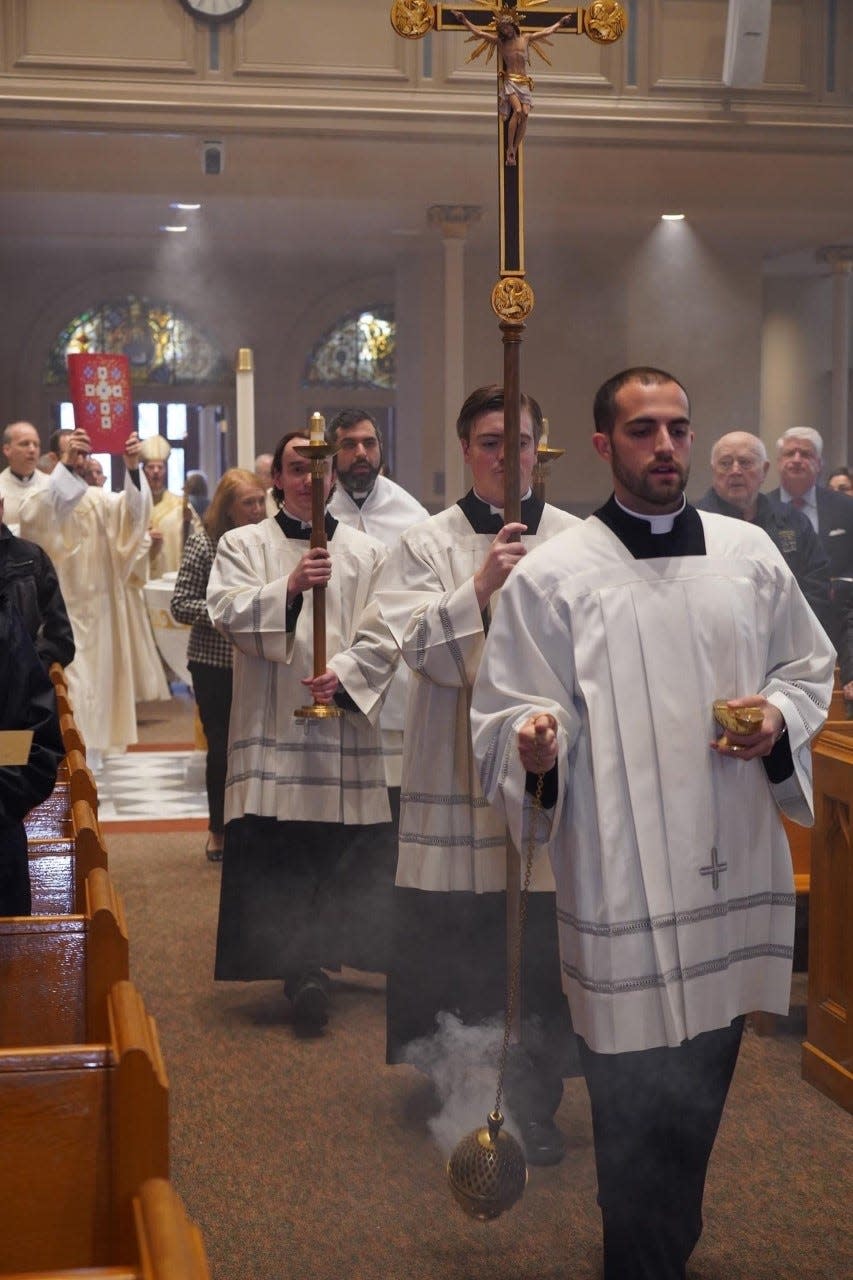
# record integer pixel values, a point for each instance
(141, 787)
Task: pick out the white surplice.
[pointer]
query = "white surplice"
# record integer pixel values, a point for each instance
(449, 837)
(674, 882)
(94, 538)
(386, 513)
(13, 491)
(311, 770)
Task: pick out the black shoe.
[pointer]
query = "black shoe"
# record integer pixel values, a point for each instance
(542, 1141)
(311, 1002)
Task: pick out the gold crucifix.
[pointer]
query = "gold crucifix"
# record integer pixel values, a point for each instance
(514, 32)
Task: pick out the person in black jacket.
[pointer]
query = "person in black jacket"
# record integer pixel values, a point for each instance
(27, 701)
(739, 466)
(28, 577)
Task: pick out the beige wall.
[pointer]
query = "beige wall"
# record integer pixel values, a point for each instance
(349, 96)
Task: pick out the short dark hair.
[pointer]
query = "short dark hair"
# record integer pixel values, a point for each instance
(486, 400)
(604, 405)
(840, 471)
(302, 434)
(53, 444)
(349, 418)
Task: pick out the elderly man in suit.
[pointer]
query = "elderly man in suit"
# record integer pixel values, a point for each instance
(799, 462)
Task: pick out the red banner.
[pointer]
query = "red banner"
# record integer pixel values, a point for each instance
(100, 393)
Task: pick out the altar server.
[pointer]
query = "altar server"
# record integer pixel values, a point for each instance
(674, 882)
(302, 794)
(449, 953)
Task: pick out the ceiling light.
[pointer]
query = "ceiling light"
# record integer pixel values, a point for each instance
(179, 204)
(672, 217)
(168, 228)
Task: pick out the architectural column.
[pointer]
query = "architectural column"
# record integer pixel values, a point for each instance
(453, 221)
(840, 259)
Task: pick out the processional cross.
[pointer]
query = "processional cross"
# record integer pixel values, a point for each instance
(484, 1171)
(513, 31)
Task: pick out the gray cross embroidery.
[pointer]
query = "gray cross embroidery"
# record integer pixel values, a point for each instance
(714, 869)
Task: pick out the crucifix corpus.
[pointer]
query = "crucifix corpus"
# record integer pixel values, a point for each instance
(487, 1171)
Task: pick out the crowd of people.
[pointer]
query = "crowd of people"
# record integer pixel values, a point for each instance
(394, 702)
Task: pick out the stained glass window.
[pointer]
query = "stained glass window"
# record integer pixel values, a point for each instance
(358, 351)
(163, 346)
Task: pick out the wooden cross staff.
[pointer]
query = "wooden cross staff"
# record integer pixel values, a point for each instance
(513, 31)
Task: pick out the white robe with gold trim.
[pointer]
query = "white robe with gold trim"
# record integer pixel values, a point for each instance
(675, 889)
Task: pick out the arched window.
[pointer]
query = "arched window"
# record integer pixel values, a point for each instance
(163, 347)
(358, 351)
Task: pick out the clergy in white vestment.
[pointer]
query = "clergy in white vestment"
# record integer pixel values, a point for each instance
(365, 499)
(675, 888)
(20, 476)
(437, 593)
(172, 518)
(302, 795)
(93, 538)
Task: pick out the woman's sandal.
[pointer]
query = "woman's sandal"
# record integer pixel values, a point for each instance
(212, 855)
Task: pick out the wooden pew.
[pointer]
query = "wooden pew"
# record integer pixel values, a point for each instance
(56, 972)
(72, 739)
(827, 1061)
(63, 850)
(84, 1127)
(168, 1244)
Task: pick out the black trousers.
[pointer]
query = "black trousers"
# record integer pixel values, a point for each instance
(212, 688)
(655, 1115)
(14, 871)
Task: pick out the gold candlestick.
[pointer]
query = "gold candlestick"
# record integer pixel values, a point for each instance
(318, 450)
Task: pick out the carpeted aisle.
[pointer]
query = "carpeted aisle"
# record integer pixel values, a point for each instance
(309, 1159)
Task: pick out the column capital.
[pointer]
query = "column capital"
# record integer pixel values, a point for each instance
(837, 256)
(453, 220)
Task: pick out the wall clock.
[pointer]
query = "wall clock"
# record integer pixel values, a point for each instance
(216, 10)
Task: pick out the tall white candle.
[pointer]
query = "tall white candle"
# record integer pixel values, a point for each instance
(245, 409)
(543, 439)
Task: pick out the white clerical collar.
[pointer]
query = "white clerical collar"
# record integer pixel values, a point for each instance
(498, 511)
(658, 524)
(24, 479)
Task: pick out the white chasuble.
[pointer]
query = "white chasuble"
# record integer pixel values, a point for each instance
(386, 513)
(675, 889)
(311, 770)
(94, 538)
(449, 837)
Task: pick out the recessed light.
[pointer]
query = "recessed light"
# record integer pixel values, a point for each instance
(180, 204)
(167, 228)
(672, 217)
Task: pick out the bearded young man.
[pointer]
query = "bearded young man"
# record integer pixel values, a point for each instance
(675, 891)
